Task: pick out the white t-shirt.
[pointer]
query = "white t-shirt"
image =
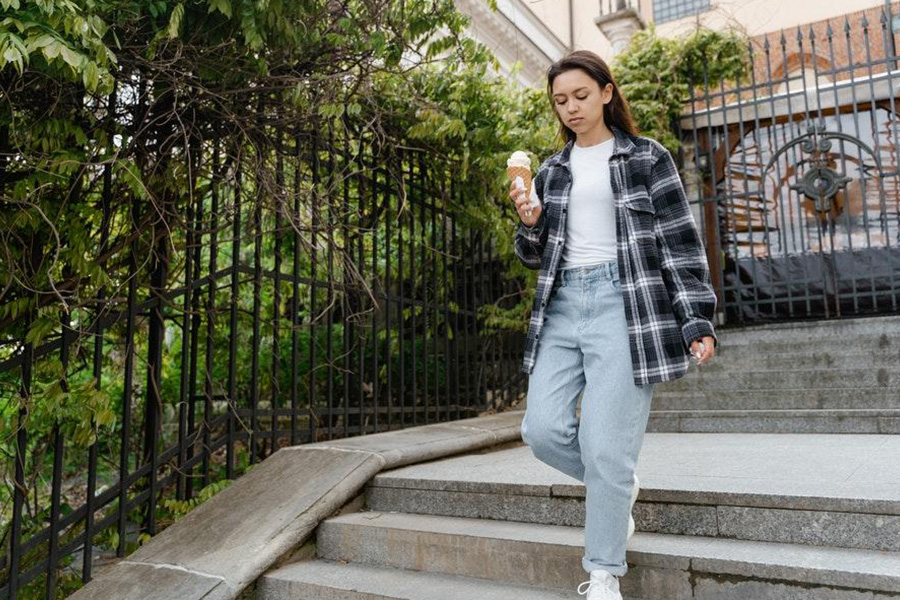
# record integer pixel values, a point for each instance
(591, 222)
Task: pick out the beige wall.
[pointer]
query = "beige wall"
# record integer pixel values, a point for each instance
(753, 16)
(761, 16)
(554, 14)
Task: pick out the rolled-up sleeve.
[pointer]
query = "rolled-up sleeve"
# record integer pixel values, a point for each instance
(530, 241)
(682, 254)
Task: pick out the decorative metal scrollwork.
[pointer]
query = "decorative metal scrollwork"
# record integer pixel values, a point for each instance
(821, 183)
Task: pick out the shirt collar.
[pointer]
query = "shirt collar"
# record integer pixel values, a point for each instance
(622, 145)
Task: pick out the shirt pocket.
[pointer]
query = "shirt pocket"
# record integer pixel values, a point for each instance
(639, 213)
(639, 216)
(639, 201)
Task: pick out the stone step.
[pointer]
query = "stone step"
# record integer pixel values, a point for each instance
(661, 566)
(814, 330)
(776, 399)
(730, 360)
(884, 377)
(754, 487)
(324, 579)
(853, 344)
(881, 420)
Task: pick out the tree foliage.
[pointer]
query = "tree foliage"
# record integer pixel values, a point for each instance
(121, 119)
(655, 74)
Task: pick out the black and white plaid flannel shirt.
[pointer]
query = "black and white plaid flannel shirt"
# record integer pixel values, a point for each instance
(664, 274)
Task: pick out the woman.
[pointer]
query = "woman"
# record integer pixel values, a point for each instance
(623, 297)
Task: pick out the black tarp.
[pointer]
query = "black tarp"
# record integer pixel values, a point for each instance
(858, 283)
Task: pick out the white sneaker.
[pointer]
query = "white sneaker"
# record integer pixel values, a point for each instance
(634, 495)
(602, 585)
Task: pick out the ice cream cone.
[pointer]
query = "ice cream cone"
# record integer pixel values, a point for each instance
(519, 165)
(525, 174)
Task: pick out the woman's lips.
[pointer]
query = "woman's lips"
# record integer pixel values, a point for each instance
(575, 120)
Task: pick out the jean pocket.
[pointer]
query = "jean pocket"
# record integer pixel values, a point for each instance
(554, 288)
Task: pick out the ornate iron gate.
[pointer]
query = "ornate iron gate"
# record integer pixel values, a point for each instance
(796, 176)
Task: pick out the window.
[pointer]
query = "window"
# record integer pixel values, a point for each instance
(669, 10)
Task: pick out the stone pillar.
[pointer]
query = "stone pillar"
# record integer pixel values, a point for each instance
(619, 26)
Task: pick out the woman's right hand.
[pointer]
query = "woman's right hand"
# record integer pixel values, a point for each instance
(523, 204)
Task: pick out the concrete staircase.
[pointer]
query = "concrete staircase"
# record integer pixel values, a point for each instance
(719, 516)
(766, 475)
(840, 376)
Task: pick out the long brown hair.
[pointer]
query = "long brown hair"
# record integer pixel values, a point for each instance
(615, 112)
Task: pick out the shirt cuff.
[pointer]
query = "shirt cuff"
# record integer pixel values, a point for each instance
(533, 234)
(696, 329)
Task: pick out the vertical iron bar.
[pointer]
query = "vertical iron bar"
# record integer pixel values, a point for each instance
(468, 292)
(785, 219)
(129, 382)
(211, 311)
(426, 281)
(457, 279)
(195, 349)
(15, 548)
(233, 321)
(156, 331)
(806, 114)
(879, 182)
(346, 294)
(432, 208)
(401, 289)
(413, 292)
(274, 399)
(295, 295)
(58, 449)
(252, 440)
(313, 317)
(186, 343)
(388, 299)
(481, 288)
(106, 199)
(447, 365)
(887, 29)
(329, 322)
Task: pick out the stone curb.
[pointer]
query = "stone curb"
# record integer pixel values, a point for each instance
(225, 544)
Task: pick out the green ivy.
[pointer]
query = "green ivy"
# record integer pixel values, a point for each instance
(655, 74)
(177, 69)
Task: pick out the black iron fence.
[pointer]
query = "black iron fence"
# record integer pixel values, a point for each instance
(794, 173)
(334, 293)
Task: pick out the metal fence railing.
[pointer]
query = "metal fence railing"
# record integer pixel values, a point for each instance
(795, 173)
(312, 286)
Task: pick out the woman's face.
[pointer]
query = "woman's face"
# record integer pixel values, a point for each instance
(578, 100)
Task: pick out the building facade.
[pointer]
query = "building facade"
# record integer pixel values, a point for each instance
(793, 173)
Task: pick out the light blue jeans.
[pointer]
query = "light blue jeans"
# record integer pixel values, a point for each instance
(583, 348)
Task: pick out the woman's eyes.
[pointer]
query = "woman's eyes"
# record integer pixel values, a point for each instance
(576, 97)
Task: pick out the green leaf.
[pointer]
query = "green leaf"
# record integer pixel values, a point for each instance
(175, 20)
(72, 58)
(223, 6)
(354, 109)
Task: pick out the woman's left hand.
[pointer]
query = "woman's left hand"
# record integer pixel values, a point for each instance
(703, 349)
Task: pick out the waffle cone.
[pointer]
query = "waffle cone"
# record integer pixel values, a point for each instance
(524, 173)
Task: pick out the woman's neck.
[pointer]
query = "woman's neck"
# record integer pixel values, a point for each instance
(596, 135)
